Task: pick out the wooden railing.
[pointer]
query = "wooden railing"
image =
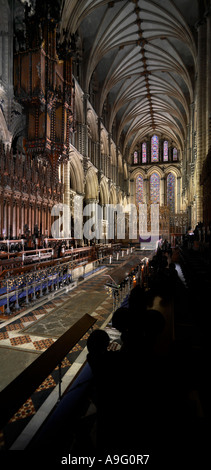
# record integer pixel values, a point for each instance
(15, 394)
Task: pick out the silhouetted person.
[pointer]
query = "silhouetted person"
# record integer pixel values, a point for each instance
(137, 304)
(104, 367)
(140, 394)
(98, 356)
(137, 298)
(120, 321)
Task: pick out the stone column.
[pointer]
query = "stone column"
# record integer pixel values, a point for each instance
(162, 191)
(18, 225)
(99, 161)
(95, 153)
(147, 190)
(145, 197)
(160, 152)
(8, 219)
(43, 219)
(38, 218)
(66, 197)
(132, 191)
(50, 221)
(80, 138)
(22, 218)
(35, 214)
(109, 156)
(188, 146)
(47, 219)
(5, 218)
(14, 220)
(1, 216)
(192, 143)
(26, 218)
(85, 129)
(32, 219)
(178, 194)
(27, 215)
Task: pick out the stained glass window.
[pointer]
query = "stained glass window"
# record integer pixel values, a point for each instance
(174, 154)
(135, 158)
(144, 152)
(154, 148)
(154, 188)
(171, 191)
(139, 189)
(165, 151)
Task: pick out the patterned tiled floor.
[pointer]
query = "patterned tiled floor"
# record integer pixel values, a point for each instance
(13, 333)
(18, 334)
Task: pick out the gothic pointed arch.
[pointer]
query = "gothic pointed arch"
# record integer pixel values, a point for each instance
(76, 173)
(91, 185)
(155, 169)
(112, 195)
(173, 169)
(104, 192)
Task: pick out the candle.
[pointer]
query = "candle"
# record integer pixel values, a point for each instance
(142, 274)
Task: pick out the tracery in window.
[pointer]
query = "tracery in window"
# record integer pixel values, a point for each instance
(171, 191)
(139, 189)
(174, 154)
(154, 148)
(144, 152)
(165, 151)
(154, 188)
(135, 157)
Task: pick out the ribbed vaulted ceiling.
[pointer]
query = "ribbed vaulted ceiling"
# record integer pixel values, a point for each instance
(144, 55)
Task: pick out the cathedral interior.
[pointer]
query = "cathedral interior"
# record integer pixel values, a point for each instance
(104, 103)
